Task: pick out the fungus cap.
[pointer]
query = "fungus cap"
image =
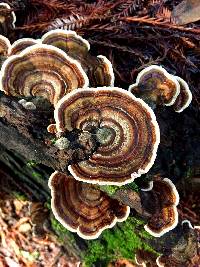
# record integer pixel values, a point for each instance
(99, 69)
(42, 70)
(155, 84)
(83, 208)
(12, 18)
(125, 127)
(185, 96)
(159, 261)
(166, 219)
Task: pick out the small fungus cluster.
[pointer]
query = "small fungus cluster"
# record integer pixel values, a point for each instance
(52, 66)
(156, 86)
(60, 68)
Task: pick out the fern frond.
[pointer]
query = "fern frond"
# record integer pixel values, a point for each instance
(69, 23)
(126, 8)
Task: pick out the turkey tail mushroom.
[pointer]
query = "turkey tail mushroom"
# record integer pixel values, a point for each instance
(42, 70)
(18, 46)
(83, 208)
(99, 69)
(162, 201)
(125, 127)
(155, 85)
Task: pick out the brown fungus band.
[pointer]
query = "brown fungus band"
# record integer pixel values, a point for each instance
(184, 98)
(99, 69)
(125, 128)
(155, 84)
(82, 208)
(4, 46)
(69, 41)
(42, 70)
(21, 44)
(166, 200)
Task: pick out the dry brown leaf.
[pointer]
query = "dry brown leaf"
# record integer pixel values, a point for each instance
(186, 12)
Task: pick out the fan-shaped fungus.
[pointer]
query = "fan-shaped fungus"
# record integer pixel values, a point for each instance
(42, 70)
(155, 84)
(99, 69)
(83, 208)
(125, 127)
(165, 217)
(184, 98)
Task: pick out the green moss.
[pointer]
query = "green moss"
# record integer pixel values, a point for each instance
(53, 141)
(19, 196)
(112, 189)
(31, 163)
(109, 189)
(132, 186)
(122, 241)
(64, 236)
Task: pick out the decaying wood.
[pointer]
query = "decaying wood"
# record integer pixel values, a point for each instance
(25, 132)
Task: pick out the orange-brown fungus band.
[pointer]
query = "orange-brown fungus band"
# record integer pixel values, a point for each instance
(184, 98)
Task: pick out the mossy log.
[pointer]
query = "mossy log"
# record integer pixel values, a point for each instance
(28, 155)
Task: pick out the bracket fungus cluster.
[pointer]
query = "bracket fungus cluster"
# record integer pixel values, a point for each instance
(164, 199)
(156, 86)
(128, 136)
(83, 208)
(80, 86)
(53, 66)
(42, 70)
